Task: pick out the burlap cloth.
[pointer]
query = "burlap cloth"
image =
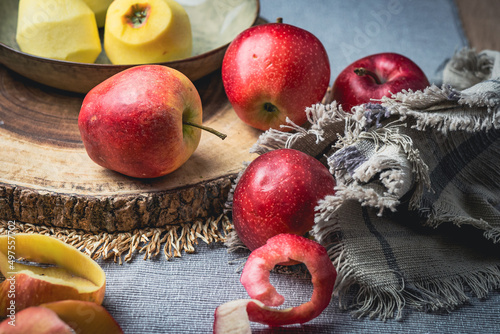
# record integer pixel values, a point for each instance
(415, 220)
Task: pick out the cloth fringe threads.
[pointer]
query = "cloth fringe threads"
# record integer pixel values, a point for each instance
(123, 246)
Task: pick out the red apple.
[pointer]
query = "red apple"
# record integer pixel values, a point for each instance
(274, 71)
(278, 193)
(375, 76)
(142, 121)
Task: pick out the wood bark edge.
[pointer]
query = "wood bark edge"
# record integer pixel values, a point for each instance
(115, 213)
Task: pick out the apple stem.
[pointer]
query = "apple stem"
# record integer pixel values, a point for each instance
(361, 71)
(279, 20)
(206, 128)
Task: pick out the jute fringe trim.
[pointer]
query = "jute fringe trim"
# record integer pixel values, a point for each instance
(123, 246)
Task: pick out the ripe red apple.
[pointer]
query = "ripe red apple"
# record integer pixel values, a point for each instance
(278, 193)
(375, 76)
(142, 121)
(274, 71)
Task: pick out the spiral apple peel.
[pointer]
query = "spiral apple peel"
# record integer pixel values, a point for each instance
(235, 316)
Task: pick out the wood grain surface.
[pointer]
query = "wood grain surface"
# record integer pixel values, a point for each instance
(481, 23)
(46, 176)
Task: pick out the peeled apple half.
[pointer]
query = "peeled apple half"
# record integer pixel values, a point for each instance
(150, 31)
(58, 29)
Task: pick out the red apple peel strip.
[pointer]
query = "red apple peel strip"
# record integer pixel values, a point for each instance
(281, 249)
(236, 315)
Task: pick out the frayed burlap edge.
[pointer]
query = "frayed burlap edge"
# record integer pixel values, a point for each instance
(124, 246)
(388, 302)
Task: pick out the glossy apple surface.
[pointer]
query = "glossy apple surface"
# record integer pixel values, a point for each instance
(375, 76)
(278, 193)
(274, 71)
(135, 121)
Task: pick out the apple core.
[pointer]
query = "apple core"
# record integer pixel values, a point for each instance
(147, 31)
(137, 15)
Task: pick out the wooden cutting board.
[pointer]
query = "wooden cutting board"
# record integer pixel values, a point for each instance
(47, 178)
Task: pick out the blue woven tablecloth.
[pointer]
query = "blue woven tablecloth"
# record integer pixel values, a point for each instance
(180, 295)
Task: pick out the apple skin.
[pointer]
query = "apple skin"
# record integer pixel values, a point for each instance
(31, 291)
(279, 249)
(274, 71)
(35, 320)
(72, 274)
(85, 317)
(132, 122)
(66, 316)
(395, 72)
(278, 193)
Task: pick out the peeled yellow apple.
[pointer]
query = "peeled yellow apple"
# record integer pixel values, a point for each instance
(99, 7)
(51, 270)
(149, 31)
(58, 29)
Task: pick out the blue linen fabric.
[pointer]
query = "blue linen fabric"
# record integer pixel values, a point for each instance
(428, 32)
(180, 295)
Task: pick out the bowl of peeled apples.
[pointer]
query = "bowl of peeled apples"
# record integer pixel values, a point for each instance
(75, 44)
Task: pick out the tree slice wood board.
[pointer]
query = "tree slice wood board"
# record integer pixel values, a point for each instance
(47, 178)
